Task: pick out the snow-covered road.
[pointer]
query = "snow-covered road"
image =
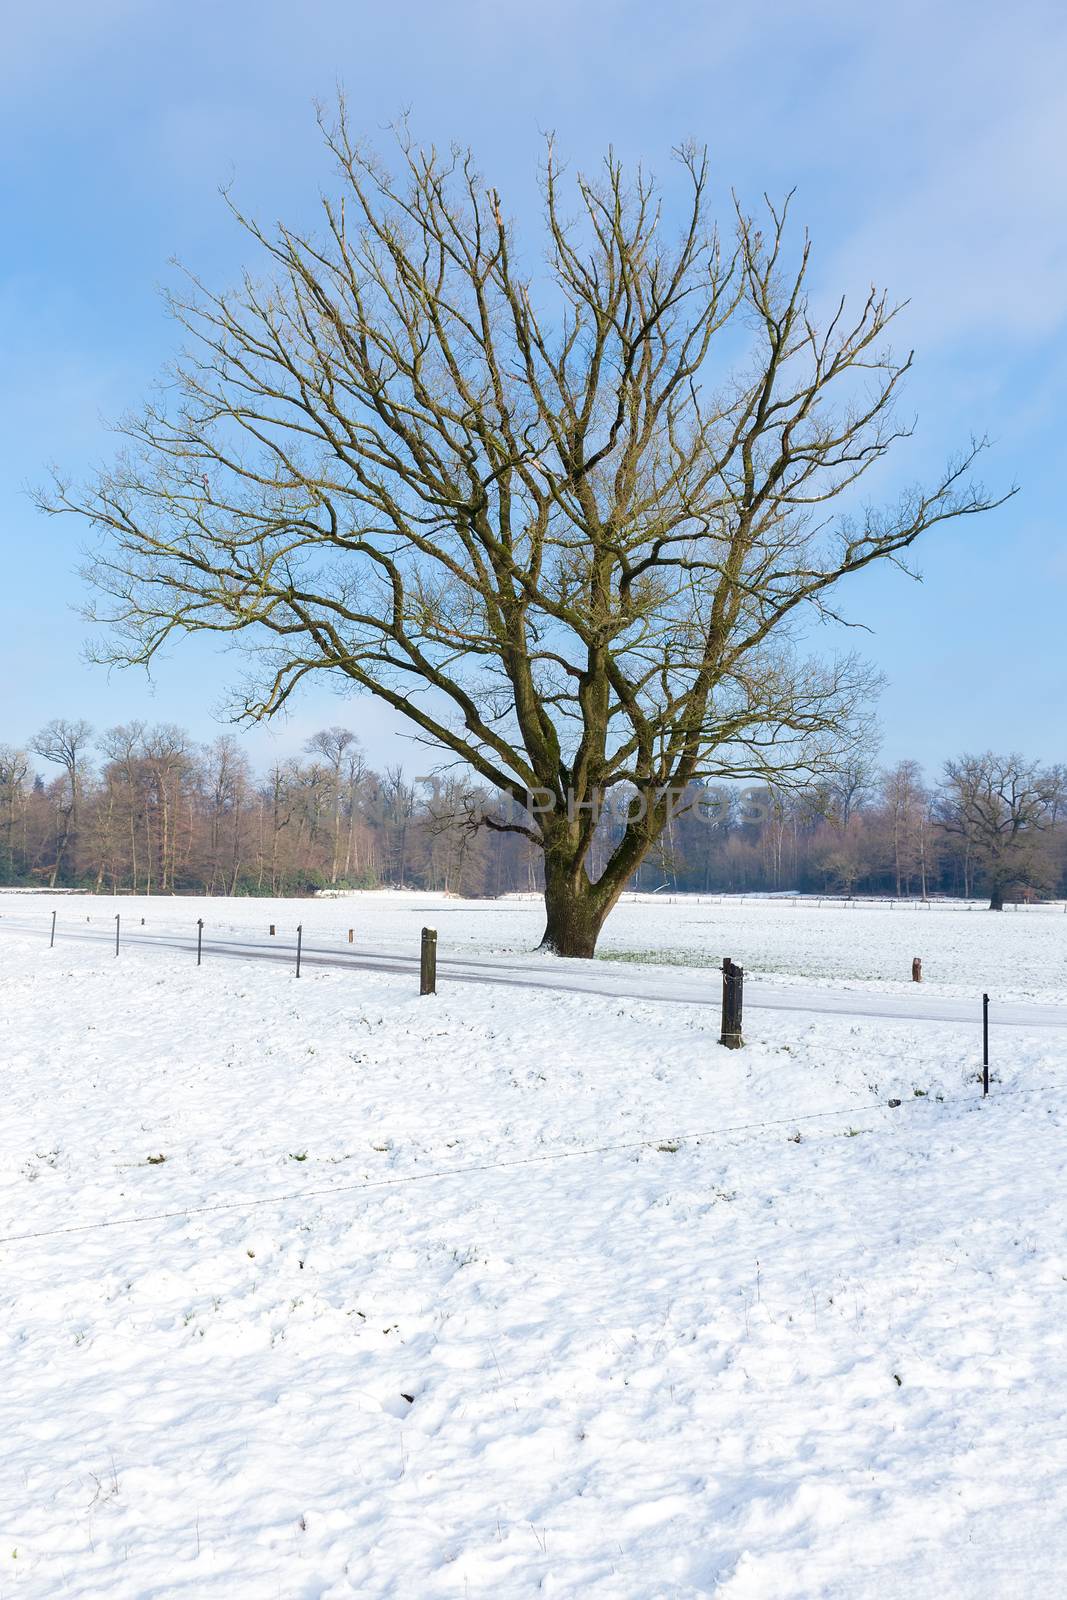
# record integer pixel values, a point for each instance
(591, 978)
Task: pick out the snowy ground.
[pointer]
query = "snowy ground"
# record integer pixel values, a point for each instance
(1020, 953)
(655, 1343)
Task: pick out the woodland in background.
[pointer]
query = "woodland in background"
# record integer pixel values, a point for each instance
(146, 810)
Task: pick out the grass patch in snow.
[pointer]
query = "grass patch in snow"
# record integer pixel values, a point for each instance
(661, 958)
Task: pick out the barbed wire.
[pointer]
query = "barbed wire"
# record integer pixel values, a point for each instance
(470, 1168)
(674, 1139)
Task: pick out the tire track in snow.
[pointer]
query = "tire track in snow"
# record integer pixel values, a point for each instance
(484, 970)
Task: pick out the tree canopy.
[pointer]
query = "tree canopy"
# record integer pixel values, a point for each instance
(567, 522)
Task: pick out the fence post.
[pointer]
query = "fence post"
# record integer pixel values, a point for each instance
(199, 938)
(351, 931)
(428, 962)
(299, 942)
(272, 930)
(116, 933)
(916, 970)
(985, 1045)
(732, 1000)
(52, 937)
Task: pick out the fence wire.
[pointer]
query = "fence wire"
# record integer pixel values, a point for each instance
(468, 1169)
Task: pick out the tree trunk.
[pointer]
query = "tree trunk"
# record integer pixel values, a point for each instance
(575, 907)
(996, 897)
(573, 914)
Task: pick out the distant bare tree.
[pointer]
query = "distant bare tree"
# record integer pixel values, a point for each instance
(333, 745)
(167, 757)
(65, 743)
(354, 776)
(278, 795)
(907, 805)
(400, 800)
(855, 781)
(845, 854)
(124, 747)
(14, 778)
(1000, 806)
(838, 796)
(450, 821)
(567, 530)
(227, 780)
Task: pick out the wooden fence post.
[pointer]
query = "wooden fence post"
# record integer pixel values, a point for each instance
(428, 962)
(732, 1001)
(917, 970)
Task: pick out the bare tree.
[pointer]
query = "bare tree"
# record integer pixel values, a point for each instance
(354, 776)
(227, 778)
(278, 793)
(1000, 806)
(400, 801)
(834, 803)
(906, 803)
(65, 743)
(854, 782)
(167, 758)
(450, 822)
(124, 747)
(567, 528)
(14, 776)
(333, 744)
(845, 854)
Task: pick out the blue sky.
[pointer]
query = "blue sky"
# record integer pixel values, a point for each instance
(928, 146)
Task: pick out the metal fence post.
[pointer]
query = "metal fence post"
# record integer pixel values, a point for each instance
(732, 1002)
(52, 936)
(428, 962)
(299, 942)
(117, 924)
(199, 938)
(985, 1045)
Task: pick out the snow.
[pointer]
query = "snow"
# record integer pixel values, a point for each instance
(656, 1344)
(858, 945)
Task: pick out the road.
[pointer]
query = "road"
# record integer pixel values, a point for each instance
(588, 977)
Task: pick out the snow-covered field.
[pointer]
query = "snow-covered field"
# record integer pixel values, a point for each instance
(965, 949)
(509, 1293)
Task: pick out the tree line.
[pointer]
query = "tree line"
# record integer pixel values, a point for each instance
(147, 810)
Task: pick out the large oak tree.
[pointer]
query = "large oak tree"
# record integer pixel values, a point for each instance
(1000, 807)
(566, 520)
